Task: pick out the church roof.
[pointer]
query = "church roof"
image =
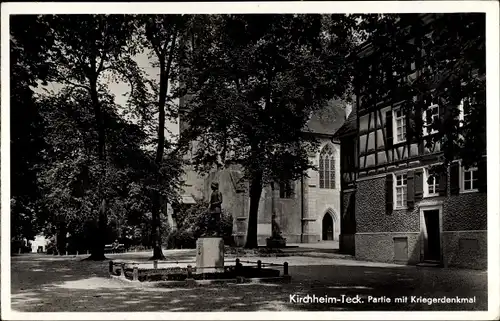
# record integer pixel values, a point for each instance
(327, 120)
(350, 125)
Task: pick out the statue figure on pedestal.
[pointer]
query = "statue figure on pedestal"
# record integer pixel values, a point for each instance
(275, 229)
(215, 210)
(276, 240)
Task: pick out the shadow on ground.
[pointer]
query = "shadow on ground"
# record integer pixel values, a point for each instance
(54, 284)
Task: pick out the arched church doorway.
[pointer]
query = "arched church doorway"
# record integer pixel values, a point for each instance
(327, 227)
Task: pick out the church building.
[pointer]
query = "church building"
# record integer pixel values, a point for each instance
(307, 210)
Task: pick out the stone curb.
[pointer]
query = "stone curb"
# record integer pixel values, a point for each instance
(327, 255)
(193, 282)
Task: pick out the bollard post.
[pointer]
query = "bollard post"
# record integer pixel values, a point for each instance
(76, 253)
(237, 268)
(136, 274)
(285, 268)
(110, 267)
(123, 269)
(155, 264)
(66, 253)
(189, 278)
(259, 265)
(87, 252)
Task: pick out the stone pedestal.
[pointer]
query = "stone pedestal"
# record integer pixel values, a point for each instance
(210, 255)
(275, 242)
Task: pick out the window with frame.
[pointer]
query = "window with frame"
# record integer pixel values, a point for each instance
(327, 168)
(399, 125)
(431, 184)
(286, 189)
(400, 189)
(469, 179)
(431, 115)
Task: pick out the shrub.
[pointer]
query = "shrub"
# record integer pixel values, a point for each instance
(180, 239)
(139, 248)
(51, 247)
(192, 223)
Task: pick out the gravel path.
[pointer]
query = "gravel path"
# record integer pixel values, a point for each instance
(68, 284)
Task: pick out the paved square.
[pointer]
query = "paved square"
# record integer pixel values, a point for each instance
(67, 284)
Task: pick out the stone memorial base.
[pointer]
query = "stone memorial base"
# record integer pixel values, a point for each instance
(275, 242)
(210, 255)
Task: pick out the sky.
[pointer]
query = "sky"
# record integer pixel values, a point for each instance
(120, 88)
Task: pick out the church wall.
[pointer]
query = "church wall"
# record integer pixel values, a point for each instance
(289, 214)
(234, 199)
(321, 200)
(193, 183)
(264, 217)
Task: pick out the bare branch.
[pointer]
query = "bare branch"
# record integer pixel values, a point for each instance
(67, 81)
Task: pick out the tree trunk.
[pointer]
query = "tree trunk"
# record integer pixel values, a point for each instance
(97, 251)
(61, 238)
(273, 199)
(255, 193)
(164, 75)
(156, 235)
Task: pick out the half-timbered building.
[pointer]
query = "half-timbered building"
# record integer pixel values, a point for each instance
(393, 209)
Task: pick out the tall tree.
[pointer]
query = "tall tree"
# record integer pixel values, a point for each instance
(28, 52)
(254, 81)
(87, 48)
(71, 169)
(446, 55)
(161, 33)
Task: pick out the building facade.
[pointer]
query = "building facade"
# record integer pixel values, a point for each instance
(307, 210)
(39, 244)
(392, 209)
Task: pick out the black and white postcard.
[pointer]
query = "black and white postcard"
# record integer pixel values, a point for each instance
(250, 160)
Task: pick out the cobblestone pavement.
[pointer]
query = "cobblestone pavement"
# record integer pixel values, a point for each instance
(67, 284)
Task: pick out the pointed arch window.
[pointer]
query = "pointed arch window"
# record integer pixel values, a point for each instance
(327, 168)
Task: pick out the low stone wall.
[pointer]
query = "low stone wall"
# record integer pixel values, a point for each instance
(380, 247)
(463, 249)
(466, 249)
(290, 238)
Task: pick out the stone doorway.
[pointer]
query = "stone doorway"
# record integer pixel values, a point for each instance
(432, 241)
(328, 227)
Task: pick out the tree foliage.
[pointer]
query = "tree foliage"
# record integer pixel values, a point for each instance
(86, 49)
(71, 174)
(254, 81)
(248, 83)
(28, 52)
(158, 35)
(447, 52)
(192, 222)
(87, 148)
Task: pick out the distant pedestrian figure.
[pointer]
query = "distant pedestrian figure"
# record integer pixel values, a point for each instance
(215, 210)
(115, 245)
